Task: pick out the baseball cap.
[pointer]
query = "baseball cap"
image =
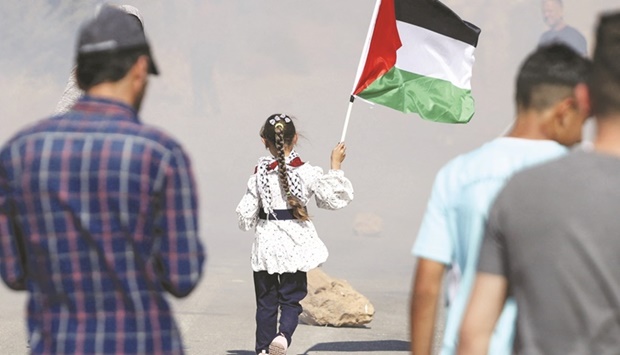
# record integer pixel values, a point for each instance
(113, 30)
(132, 10)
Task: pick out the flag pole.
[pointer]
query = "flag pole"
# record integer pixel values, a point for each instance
(360, 67)
(346, 120)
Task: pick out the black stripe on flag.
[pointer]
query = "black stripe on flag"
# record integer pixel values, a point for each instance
(437, 17)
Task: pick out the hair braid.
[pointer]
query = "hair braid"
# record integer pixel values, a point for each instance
(298, 208)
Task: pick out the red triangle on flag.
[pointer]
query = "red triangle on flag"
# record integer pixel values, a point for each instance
(382, 48)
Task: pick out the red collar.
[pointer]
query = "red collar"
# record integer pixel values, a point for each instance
(294, 163)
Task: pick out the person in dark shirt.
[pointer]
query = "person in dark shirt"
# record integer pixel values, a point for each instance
(559, 31)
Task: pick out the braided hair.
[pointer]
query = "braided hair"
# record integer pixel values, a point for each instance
(279, 130)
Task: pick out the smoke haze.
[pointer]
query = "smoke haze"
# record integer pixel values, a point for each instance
(226, 65)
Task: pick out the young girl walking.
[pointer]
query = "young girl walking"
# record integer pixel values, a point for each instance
(286, 244)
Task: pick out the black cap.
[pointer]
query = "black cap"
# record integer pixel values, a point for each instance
(113, 30)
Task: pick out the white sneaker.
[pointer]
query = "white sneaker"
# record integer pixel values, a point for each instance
(262, 352)
(278, 346)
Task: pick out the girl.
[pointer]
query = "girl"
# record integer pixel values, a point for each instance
(286, 244)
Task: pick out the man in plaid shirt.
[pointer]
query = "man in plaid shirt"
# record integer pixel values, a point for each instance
(98, 212)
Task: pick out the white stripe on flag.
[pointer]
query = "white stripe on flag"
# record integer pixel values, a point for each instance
(434, 55)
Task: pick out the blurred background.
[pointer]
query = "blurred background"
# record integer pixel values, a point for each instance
(226, 65)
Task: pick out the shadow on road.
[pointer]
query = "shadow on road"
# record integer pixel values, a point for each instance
(360, 346)
(347, 346)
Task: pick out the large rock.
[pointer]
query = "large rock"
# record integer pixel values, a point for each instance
(334, 302)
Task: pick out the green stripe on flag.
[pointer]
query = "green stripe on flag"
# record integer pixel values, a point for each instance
(433, 99)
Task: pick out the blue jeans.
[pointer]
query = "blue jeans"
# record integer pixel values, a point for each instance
(274, 291)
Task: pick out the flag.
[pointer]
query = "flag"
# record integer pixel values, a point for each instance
(418, 58)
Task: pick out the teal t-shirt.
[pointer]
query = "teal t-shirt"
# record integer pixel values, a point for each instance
(455, 218)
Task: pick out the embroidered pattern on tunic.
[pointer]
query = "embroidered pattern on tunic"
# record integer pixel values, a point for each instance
(291, 245)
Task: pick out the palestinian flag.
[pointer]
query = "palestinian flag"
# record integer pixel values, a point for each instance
(418, 58)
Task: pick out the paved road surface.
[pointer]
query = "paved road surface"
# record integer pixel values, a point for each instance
(217, 319)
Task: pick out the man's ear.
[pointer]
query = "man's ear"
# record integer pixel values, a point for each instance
(567, 120)
(564, 111)
(558, 118)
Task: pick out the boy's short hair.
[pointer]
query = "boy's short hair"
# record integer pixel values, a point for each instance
(550, 74)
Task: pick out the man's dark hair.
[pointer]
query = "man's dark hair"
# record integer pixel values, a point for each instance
(97, 68)
(605, 82)
(550, 74)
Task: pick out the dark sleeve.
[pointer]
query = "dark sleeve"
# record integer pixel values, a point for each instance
(493, 253)
(12, 252)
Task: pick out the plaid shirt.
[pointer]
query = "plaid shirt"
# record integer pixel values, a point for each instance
(98, 217)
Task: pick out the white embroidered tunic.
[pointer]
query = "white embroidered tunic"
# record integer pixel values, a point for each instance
(290, 245)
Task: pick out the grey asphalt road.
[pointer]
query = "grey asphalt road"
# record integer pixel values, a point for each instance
(218, 317)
